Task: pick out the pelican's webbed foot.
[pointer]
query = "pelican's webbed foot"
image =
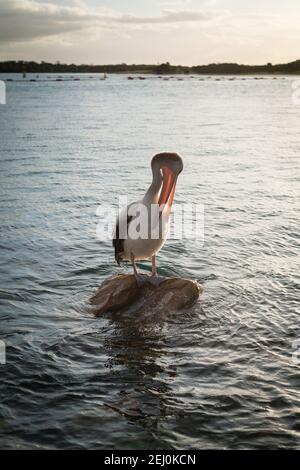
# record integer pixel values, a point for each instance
(156, 280)
(141, 279)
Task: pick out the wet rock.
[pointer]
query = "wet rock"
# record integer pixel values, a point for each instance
(122, 293)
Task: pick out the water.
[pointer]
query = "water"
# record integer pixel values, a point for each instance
(220, 375)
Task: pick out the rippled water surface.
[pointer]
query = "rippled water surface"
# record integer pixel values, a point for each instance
(220, 375)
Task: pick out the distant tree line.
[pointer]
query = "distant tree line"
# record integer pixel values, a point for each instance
(162, 69)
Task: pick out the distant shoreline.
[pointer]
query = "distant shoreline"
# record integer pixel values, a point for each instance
(292, 68)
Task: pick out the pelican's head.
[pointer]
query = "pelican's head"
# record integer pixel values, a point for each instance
(168, 166)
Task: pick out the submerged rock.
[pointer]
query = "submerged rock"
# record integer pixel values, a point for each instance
(122, 292)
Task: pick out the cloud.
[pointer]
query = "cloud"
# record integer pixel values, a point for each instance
(75, 31)
(24, 20)
(167, 17)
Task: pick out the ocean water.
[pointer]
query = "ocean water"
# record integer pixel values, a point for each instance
(222, 374)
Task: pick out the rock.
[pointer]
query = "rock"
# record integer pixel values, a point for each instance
(122, 292)
(114, 293)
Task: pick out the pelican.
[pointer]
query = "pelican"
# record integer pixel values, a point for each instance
(153, 218)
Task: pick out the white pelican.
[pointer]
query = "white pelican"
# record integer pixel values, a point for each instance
(141, 228)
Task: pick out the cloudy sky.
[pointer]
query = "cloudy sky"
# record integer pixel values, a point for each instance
(150, 31)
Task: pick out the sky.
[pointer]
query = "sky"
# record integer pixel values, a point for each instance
(186, 32)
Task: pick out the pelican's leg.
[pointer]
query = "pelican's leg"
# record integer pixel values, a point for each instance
(134, 265)
(141, 279)
(154, 272)
(155, 279)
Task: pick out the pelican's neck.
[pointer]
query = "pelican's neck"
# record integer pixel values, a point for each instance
(152, 194)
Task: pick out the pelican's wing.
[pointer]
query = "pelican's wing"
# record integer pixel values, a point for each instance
(118, 243)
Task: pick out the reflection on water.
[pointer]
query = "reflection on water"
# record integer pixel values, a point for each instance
(136, 354)
(219, 375)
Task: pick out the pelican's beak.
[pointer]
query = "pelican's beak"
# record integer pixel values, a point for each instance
(168, 188)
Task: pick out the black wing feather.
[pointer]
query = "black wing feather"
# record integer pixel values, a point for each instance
(118, 243)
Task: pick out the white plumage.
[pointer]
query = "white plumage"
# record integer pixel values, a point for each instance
(142, 227)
